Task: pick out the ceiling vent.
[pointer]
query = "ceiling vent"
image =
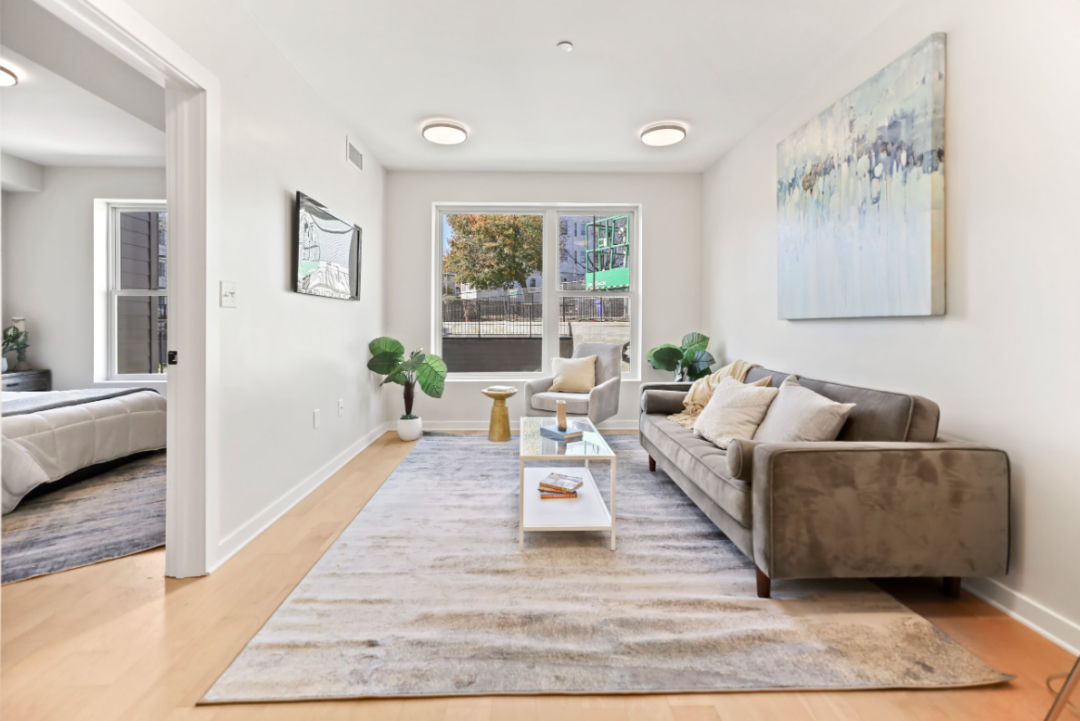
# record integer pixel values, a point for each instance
(353, 155)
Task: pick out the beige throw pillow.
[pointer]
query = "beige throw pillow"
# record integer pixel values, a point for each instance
(734, 411)
(799, 415)
(573, 375)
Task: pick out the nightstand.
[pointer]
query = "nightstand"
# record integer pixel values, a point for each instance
(21, 381)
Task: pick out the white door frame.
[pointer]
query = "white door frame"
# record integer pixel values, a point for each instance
(192, 97)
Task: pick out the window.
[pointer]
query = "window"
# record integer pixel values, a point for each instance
(138, 291)
(496, 314)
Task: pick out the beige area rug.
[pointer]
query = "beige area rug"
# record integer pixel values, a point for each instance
(426, 594)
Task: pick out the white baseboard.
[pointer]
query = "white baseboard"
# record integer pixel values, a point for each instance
(514, 425)
(244, 535)
(1040, 619)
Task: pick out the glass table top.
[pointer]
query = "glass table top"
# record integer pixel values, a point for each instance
(534, 445)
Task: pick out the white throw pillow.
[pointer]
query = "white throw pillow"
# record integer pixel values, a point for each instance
(734, 411)
(799, 415)
(573, 375)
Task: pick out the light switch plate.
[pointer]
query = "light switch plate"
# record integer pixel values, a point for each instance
(228, 294)
(341, 407)
(315, 418)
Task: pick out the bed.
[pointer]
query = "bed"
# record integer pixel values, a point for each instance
(49, 435)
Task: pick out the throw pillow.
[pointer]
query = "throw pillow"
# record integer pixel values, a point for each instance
(688, 418)
(799, 414)
(573, 375)
(734, 411)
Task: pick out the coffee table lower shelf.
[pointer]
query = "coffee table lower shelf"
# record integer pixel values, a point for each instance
(587, 512)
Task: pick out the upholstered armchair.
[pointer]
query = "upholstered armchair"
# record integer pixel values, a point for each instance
(599, 404)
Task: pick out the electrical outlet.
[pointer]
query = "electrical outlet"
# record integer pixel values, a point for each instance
(315, 418)
(341, 407)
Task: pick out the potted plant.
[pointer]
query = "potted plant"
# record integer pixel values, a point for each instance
(15, 341)
(689, 362)
(388, 359)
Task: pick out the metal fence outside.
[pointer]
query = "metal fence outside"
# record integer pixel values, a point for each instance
(520, 318)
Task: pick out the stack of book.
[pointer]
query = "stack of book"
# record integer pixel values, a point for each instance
(572, 433)
(558, 485)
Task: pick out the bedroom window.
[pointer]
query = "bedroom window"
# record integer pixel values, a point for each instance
(138, 291)
(519, 285)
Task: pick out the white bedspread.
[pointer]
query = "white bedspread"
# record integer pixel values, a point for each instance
(46, 446)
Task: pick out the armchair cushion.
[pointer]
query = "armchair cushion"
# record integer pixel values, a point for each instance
(576, 403)
(573, 375)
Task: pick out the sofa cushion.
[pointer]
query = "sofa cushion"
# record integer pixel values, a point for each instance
(800, 415)
(577, 403)
(734, 411)
(878, 416)
(702, 462)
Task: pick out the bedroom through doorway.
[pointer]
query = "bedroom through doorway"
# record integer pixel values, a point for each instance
(85, 255)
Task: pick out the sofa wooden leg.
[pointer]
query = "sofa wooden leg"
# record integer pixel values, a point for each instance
(652, 463)
(952, 586)
(764, 584)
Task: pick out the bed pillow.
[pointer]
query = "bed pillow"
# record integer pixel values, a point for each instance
(573, 375)
(799, 414)
(734, 411)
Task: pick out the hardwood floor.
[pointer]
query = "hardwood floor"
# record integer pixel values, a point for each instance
(117, 641)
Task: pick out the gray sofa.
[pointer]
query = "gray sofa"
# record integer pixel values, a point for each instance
(888, 498)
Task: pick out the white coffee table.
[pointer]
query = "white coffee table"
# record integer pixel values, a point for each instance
(587, 512)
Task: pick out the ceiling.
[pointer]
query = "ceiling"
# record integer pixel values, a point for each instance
(723, 66)
(49, 120)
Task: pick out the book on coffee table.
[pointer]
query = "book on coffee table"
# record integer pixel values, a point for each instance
(572, 433)
(559, 483)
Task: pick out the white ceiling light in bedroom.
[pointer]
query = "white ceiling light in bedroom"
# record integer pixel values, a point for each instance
(661, 134)
(445, 132)
(566, 46)
(7, 78)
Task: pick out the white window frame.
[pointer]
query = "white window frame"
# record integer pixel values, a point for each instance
(114, 210)
(551, 292)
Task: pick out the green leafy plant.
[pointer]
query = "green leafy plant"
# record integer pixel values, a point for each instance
(689, 362)
(388, 359)
(15, 339)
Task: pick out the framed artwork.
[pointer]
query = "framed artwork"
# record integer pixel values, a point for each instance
(327, 252)
(860, 198)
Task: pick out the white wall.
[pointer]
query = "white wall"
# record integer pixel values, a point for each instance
(48, 262)
(1000, 362)
(282, 354)
(671, 238)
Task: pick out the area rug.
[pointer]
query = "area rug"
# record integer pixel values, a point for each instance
(426, 594)
(117, 512)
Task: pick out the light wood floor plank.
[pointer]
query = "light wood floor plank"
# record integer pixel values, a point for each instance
(117, 641)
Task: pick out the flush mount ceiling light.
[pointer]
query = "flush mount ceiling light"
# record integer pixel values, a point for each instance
(566, 46)
(660, 134)
(7, 78)
(445, 132)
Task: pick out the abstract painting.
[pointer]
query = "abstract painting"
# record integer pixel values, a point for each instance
(860, 198)
(327, 252)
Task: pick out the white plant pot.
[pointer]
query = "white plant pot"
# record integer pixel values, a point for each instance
(411, 429)
(4, 365)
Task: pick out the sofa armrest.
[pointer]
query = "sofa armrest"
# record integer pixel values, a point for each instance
(662, 397)
(862, 510)
(666, 402)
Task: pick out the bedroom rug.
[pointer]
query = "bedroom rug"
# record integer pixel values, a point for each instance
(114, 513)
(426, 594)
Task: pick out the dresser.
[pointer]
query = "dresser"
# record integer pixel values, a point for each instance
(21, 381)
